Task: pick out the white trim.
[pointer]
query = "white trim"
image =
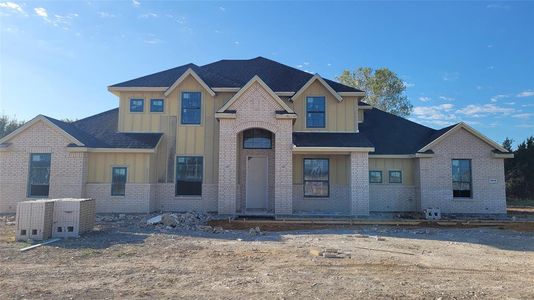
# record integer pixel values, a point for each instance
(286, 116)
(502, 155)
(353, 94)
(219, 115)
(112, 150)
(34, 121)
(137, 88)
(333, 149)
(254, 79)
(266, 185)
(285, 94)
(391, 155)
(321, 80)
(469, 129)
(183, 77)
(365, 106)
(225, 89)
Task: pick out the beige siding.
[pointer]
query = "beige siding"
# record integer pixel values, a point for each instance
(340, 116)
(139, 171)
(142, 121)
(338, 164)
(406, 165)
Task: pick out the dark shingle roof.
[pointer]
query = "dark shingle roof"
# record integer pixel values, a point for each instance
(236, 73)
(100, 131)
(330, 139)
(391, 134)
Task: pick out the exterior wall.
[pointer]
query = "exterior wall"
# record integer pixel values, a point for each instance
(359, 183)
(167, 201)
(138, 198)
(436, 176)
(338, 202)
(68, 170)
(340, 116)
(140, 169)
(255, 109)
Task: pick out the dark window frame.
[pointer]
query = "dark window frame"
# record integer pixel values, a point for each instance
(176, 169)
(304, 178)
(254, 130)
(199, 109)
(30, 170)
(393, 171)
(132, 100)
(323, 112)
(152, 106)
(114, 193)
(455, 192)
(381, 176)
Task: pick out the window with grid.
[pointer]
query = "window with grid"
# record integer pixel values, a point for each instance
(156, 105)
(118, 181)
(191, 108)
(375, 176)
(137, 105)
(461, 178)
(188, 176)
(39, 175)
(315, 112)
(316, 177)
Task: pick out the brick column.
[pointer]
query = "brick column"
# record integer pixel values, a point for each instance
(283, 175)
(227, 168)
(359, 183)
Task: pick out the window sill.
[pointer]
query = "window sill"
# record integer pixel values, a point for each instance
(185, 197)
(464, 199)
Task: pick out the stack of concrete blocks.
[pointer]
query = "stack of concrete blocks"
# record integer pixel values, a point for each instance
(34, 220)
(73, 217)
(432, 213)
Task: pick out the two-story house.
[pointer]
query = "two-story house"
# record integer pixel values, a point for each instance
(251, 136)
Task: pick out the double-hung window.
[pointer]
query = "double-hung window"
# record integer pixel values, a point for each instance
(316, 177)
(461, 178)
(315, 112)
(188, 176)
(156, 105)
(395, 176)
(137, 105)
(118, 181)
(191, 103)
(39, 175)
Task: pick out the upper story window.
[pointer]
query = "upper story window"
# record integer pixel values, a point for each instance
(257, 138)
(461, 178)
(39, 175)
(191, 104)
(156, 105)
(137, 105)
(315, 112)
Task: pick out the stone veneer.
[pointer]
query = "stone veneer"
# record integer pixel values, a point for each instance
(68, 170)
(435, 176)
(255, 109)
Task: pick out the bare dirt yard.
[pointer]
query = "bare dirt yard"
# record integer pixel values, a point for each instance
(125, 258)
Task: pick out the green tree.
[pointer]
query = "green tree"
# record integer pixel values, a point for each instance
(384, 89)
(8, 125)
(519, 171)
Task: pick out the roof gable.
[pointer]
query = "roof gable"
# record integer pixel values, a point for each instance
(50, 122)
(255, 79)
(318, 78)
(186, 74)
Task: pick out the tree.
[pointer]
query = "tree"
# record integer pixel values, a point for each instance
(384, 89)
(519, 171)
(8, 125)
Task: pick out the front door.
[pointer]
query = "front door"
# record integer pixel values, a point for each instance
(256, 182)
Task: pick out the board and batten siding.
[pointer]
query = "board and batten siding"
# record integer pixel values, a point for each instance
(340, 116)
(338, 168)
(406, 165)
(138, 164)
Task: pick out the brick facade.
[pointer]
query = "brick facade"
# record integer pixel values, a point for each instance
(68, 170)
(359, 183)
(392, 198)
(435, 176)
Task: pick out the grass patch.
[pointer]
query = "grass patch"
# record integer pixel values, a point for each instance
(520, 202)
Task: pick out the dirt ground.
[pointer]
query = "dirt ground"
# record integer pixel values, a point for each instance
(127, 259)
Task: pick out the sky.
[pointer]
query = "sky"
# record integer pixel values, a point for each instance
(460, 61)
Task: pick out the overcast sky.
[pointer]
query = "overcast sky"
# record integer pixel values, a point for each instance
(461, 61)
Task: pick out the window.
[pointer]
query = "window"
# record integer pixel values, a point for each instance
(461, 178)
(257, 138)
(156, 105)
(39, 175)
(137, 105)
(395, 177)
(316, 179)
(118, 181)
(315, 112)
(375, 176)
(189, 176)
(191, 108)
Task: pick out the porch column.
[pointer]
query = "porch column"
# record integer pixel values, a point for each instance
(359, 183)
(227, 168)
(283, 173)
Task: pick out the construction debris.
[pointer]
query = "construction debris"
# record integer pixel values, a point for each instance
(330, 253)
(39, 245)
(255, 231)
(184, 221)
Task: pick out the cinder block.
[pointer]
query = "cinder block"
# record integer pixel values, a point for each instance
(73, 217)
(34, 220)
